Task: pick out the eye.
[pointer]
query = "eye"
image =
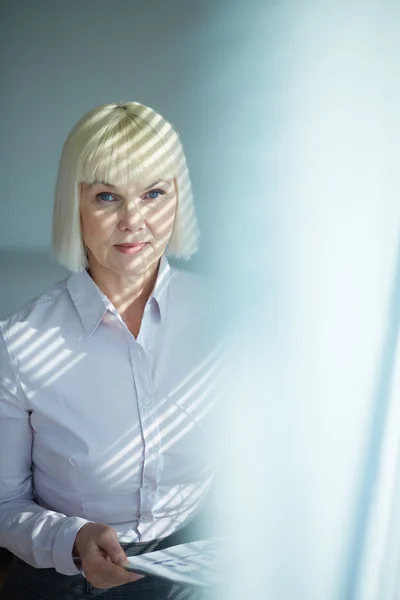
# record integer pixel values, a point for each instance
(154, 195)
(106, 197)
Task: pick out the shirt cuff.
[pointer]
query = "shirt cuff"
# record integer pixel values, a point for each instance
(64, 543)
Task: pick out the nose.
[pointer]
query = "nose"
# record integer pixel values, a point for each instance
(131, 217)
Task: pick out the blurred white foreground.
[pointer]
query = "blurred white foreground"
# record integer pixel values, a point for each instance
(312, 414)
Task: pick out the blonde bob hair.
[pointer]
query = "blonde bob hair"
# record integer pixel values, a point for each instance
(127, 141)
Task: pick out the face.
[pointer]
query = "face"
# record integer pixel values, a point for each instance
(126, 228)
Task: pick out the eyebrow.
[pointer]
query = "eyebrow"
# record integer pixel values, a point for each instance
(156, 183)
(112, 186)
(105, 183)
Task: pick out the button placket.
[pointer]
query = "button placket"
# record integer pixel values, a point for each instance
(147, 414)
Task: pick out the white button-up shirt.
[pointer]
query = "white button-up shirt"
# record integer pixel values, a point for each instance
(96, 425)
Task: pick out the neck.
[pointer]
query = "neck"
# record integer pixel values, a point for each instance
(128, 294)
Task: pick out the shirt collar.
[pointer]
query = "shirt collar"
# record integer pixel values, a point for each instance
(91, 304)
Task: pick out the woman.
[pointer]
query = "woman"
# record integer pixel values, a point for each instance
(106, 379)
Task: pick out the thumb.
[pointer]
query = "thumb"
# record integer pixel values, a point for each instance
(115, 552)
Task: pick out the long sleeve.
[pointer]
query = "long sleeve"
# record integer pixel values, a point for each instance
(40, 537)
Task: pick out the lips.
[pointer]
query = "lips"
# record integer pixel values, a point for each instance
(132, 245)
(130, 248)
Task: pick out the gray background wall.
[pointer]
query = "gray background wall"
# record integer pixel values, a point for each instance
(204, 65)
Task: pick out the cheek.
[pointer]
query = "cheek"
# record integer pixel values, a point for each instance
(96, 225)
(161, 219)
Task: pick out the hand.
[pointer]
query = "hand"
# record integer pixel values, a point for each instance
(102, 556)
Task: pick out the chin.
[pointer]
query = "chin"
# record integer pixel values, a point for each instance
(131, 271)
(134, 267)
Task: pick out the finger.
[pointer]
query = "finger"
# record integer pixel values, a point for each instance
(131, 574)
(110, 544)
(116, 572)
(102, 573)
(128, 567)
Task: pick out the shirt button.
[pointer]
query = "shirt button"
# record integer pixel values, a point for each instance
(154, 451)
(146, 400)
